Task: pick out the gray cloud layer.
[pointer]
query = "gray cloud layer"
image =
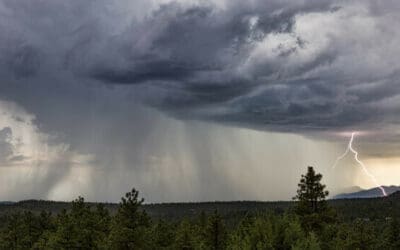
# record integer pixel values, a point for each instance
(278, 65)
(84, 69)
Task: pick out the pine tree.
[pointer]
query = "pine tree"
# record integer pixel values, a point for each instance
(186, 237)
(311, 205)
(102, 220)
(307, 243)
(163, 235)
(130, 226)
(215, 232)
(311, 194)
(12, 236)
(393, 234)
(81, 228)
(361, 236)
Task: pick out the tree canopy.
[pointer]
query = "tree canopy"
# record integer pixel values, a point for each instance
(311, 205)
(309, 223)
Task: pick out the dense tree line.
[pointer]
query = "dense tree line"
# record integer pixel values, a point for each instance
(311, 224)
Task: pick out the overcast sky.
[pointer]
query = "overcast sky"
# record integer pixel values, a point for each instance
(195, 100)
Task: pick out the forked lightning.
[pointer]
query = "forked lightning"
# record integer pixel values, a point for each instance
(363, 167)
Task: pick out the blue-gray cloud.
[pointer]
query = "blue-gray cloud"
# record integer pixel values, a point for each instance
(314, 65)
(84, 69)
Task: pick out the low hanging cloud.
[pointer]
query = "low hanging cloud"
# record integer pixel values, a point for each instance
(31, 163)
(6, 148)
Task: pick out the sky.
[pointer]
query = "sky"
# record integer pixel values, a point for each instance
(195, 100)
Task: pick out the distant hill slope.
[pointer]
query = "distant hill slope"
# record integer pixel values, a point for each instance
(349, 208)
(369, 193)
(347, 190)
(395, 195)
(6, 202)
(161, 210)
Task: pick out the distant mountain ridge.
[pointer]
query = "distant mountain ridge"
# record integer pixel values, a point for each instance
(347, 190)
(368, 193)
(6, 202)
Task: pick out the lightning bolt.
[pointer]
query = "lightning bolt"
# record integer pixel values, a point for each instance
(363, 167)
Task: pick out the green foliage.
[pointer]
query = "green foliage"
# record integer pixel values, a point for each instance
(311, 225)
(81, 228)
(23, 230)
(163, 234)
(293, 235)
(215, 233)
(359, 234)
(393, 234)
(311, 204)
(307, 243)
(311, 194)
(253, 233)
(187, 236)
(130, 226)
(270, 232)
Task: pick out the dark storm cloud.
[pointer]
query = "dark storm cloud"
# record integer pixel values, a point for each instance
(276, 65)
(204, 57)
(24, 61)
(178, 43)
(191, 44)
(79, 73)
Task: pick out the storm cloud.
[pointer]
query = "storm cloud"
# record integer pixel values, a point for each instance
(100, 81)
(276, 65)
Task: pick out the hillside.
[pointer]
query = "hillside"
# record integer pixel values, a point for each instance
(369, 193)
(350, 208)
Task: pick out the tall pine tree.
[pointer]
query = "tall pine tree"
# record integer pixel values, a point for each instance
(311, 205)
